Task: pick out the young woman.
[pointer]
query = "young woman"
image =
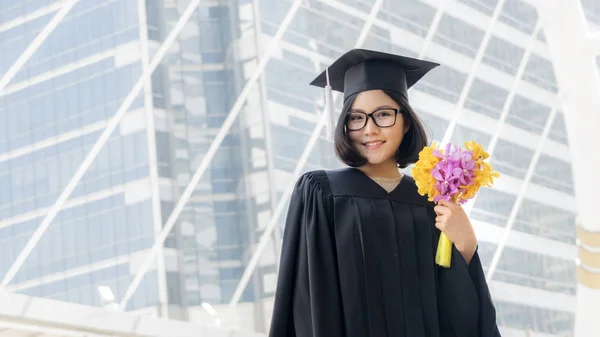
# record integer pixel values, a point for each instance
(359, 243)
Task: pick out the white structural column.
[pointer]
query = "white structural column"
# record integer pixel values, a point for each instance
(439, 13)
(212, 150)
(161, 273)
(368, 24)
(36, 43)
(574, 61)
(520, 196)
(594, 45)
(266, 125)
(508, 103)
(91, 156)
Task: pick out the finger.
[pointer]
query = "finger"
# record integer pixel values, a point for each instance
(441, 210)
(440, 225)
(446, 203)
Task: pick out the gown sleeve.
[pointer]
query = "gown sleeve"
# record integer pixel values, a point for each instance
(465, 305)
(307, 298)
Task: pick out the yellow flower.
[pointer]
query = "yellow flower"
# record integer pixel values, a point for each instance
(478, 151)
(485, 176)
(421, 172)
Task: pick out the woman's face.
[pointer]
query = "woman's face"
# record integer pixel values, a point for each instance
(377, 144)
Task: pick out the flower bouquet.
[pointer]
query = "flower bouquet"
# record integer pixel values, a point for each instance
(452, 174)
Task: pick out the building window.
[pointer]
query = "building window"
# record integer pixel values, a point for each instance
(512, 159)
(486, 98)
(443, 82)
(591, 9)
(458, 36)
(554, 173)
(484, 6)
(414, 16)
(503, 55)
(529, 269)
(528, 115)
(546, 221)
(540, 72)
(520, 15)
(520, 316)
(559, 130)
(493, 206)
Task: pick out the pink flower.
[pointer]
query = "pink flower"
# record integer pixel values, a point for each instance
(466, 169)
(454, 171)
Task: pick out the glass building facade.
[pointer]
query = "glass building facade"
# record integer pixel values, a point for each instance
(57, 105)
(52, 112)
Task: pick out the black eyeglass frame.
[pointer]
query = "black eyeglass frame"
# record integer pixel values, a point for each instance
(371, 116)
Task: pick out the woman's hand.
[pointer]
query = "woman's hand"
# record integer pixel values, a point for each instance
(454, 222)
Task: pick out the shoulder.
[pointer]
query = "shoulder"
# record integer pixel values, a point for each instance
(314, 181)
(314, 191)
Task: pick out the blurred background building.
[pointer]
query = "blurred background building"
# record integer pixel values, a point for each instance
(59, 102)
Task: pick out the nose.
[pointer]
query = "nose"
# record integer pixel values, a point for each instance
(371, 128)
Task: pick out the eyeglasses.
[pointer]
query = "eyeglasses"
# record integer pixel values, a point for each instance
(383, 118)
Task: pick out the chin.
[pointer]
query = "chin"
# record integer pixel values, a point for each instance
(376, 160)
(379, 156)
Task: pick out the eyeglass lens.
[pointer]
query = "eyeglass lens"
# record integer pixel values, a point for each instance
(383, 118)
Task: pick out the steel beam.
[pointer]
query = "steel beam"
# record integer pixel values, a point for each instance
(266, 125)
(522, 192)
(212, 150)
(472, 73)
(508, 103)
(435, 23)
(35, 44)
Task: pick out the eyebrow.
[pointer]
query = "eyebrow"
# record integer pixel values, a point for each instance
(378, 108)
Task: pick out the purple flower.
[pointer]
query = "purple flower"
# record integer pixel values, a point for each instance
(451, 153)
(447, 189)
(454, 170)
(465, 171)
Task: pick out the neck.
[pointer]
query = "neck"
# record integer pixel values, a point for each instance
(388, 169)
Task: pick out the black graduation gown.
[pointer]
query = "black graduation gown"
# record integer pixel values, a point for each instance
(358, 261)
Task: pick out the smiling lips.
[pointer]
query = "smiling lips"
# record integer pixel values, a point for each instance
(373, 145)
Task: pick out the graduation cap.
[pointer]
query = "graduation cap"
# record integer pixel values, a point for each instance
(361, 70)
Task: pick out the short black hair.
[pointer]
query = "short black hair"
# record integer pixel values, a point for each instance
(408, 153)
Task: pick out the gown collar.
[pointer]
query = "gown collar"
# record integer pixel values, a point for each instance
(353, 182)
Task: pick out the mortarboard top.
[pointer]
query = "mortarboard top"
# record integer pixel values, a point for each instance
(361, 70)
